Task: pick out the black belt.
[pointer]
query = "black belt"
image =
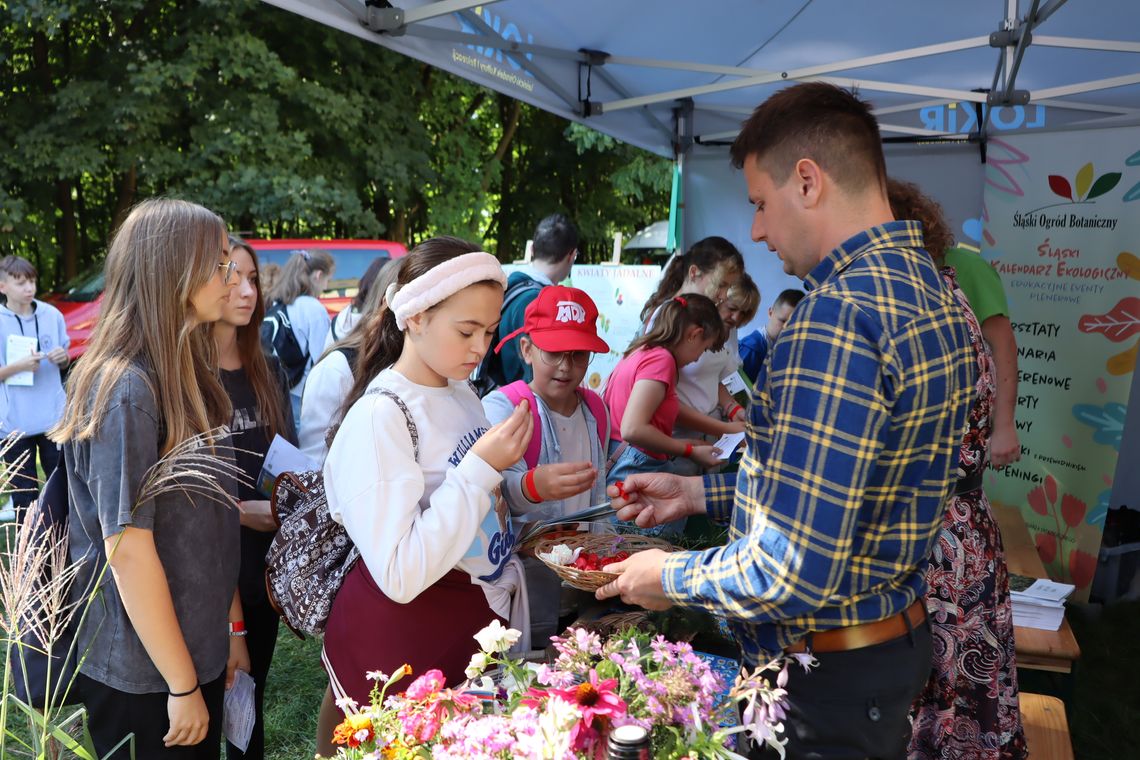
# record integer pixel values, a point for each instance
(966, 485)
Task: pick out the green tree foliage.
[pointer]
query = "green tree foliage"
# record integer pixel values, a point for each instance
(286, 128)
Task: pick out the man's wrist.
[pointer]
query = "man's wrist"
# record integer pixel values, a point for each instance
(695, 494)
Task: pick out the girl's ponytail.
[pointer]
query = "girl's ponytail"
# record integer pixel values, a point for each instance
(676, 316)
(671, 281)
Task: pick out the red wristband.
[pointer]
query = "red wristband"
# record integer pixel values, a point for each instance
(688, 449)
(530, 488)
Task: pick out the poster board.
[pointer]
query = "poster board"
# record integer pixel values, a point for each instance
(619, 291)
(1061, 228)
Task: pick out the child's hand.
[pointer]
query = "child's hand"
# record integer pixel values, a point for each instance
(505, 443)
(563, 480)
(706, 455)
(29, 363)
(57, 356)
(736, 426)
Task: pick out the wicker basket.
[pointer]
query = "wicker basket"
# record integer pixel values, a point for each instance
(602, 544)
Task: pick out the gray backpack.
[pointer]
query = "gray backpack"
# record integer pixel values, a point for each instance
(311, 553)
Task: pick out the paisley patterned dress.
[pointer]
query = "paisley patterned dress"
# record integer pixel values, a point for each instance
(968, 709)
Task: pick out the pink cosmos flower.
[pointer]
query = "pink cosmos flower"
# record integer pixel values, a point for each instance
(426, 685)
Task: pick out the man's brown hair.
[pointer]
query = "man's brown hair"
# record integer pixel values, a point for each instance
(825, 123)
(17, 268)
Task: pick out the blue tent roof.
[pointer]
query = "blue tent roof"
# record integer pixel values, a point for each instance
(629, 69)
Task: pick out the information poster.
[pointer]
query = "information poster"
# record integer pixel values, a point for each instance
(1062, 227)
(620, 291)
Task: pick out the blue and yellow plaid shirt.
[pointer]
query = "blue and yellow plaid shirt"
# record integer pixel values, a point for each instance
(853, 438)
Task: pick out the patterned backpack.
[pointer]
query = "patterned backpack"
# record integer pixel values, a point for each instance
(311, 553)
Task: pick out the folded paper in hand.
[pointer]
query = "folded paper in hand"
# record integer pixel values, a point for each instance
(239, 712)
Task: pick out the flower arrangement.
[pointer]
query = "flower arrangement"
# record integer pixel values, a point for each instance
(565, 709)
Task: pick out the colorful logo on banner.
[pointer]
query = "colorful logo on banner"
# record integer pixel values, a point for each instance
(1057, 230)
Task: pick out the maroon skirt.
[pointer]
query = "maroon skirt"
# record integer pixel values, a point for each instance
(368, 631)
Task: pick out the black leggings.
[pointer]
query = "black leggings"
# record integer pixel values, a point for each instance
(112, 714)
(26, 480)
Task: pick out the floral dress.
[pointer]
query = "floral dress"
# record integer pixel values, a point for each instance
(969, 707)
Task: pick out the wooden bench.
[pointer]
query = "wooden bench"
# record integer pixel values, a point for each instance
(1054, 651)
(1046, 728)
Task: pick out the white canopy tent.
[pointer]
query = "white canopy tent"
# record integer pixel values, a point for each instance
(665, 74)
(677, 79)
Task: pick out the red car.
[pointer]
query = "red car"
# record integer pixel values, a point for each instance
(81, 301)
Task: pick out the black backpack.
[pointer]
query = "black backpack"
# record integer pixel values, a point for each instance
(488, 376)
(278, 339)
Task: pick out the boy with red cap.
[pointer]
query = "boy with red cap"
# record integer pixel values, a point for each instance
(564, 468)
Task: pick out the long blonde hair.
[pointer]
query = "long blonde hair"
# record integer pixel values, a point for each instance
(296, 278)
(162, 254)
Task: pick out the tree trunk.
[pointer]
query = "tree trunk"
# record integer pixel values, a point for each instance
(125, 197)
(66, 228)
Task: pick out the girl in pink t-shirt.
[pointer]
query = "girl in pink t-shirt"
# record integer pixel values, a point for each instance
(641, 393)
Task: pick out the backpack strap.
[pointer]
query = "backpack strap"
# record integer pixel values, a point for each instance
(597, 408)
(412, 430)
(516, 392)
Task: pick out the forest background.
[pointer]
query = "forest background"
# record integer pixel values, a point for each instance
(284, 127)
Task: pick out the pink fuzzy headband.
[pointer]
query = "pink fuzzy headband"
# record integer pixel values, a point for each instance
(441, 282)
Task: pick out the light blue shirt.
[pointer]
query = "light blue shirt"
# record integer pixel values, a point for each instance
(33, 409)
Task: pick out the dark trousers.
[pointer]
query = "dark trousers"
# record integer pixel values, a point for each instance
(855, 704)
(26, 482)
(261, 623)
(112, 714)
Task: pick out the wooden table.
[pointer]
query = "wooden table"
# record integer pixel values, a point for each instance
(1054, 651)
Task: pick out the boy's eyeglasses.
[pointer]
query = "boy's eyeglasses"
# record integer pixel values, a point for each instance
(230, 267)
(576, 358)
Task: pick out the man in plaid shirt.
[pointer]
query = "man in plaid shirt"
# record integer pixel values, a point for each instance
(853, 436)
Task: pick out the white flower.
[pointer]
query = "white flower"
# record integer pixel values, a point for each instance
(496, 638)
(561, 555)
(477, 665)
(347, 704)
(375, 675)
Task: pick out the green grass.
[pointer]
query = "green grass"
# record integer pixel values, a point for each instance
(293, 695)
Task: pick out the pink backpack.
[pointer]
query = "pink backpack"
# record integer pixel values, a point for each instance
(518, 390)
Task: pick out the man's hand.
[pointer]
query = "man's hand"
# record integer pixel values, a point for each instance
(639, 581)
(1005, 448)
(58, 356)
(654, 498)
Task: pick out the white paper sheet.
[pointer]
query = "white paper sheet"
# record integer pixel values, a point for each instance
(20, 347)
(282, 457)
(239, 710)
(728, 443)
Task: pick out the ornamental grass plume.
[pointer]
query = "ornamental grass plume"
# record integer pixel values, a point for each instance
(40, 605)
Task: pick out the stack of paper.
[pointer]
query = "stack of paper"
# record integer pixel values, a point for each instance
(1038, 603)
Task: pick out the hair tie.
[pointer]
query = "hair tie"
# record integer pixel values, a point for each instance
(681, 300)
(304, 254)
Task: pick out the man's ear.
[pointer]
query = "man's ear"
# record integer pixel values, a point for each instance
(809, 178)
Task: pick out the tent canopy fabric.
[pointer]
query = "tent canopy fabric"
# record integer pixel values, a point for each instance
(666, 74)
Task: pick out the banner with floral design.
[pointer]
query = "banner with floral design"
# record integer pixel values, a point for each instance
(1061, 224)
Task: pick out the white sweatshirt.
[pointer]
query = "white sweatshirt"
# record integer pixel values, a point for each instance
(415, 521)
(326, 388)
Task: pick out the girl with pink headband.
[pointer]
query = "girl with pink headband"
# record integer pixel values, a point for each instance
(413, 474)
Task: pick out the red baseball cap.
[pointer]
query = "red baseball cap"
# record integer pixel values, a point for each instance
(561, 319)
